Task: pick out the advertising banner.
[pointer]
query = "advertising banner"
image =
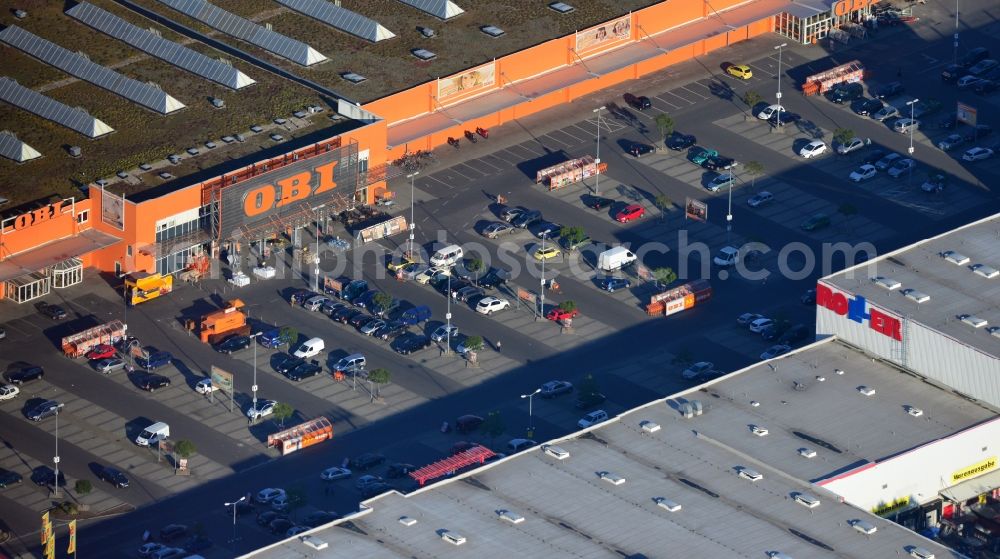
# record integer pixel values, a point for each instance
(222, 380)
(46, 531)
(113, 209)
(604, 35)
(965, 113)
(467, 83)
(974, 470)
(696, 210)
(71, 549)
(292, 189)
(383, 230)
(525, 295)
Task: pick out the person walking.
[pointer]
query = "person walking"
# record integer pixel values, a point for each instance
(498, 346)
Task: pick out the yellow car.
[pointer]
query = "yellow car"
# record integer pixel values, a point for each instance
(395, 266)
(547, 253)
(741, 71)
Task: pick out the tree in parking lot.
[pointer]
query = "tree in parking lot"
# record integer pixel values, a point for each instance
(382, 300)
(475, 265)
(753, 168)
(184, 448)
(288, 335)
(493, 426)
(847, 210)
(297, 496)
(588, 387)
(378, 377)
(83, 486)
(572, 236)
(663, 203)
(665, 124)
(664, 276)
(567, 306)
(282, 411)
(473, 343)
(751, 98)
(843, 136)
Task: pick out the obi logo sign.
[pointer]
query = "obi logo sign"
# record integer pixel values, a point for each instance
(857, 309)
(845, 7)
(266, 197)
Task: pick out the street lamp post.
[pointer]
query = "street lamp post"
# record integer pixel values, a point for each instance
(447, 317)
(956, 32)
(597, 179)
(541, 310)
(253, 341)
(57, 491)
(909, 150)
(315, 278)
(531, 397)
(413, 224)
(778, 94)
(233, 504)
(729, 211)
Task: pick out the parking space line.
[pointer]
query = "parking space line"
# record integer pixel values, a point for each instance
(579, 140)
(514, 155)
(550, 137)
(486, 172)
(662, 100)
(685, 99)
(564, 132)
(757, 69)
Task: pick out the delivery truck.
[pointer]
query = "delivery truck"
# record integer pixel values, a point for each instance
(615, 259)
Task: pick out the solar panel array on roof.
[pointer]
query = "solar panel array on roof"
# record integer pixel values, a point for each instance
(341, 18)
(442, 9)
(16, 150)
(246, 30)
(145, 40)
(50, 109)
(77, 65)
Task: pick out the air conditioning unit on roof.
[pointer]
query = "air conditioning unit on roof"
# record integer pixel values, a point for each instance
(955, 258)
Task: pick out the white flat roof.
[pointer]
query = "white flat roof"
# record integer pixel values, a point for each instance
(569, 510)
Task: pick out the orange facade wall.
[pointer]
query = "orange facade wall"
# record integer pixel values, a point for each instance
(405, 104)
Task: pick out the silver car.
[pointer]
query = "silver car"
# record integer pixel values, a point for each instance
(885, 113)
(108, 366)
(497, 228)
(371, 327)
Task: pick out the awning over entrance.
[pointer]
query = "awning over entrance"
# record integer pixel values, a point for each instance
(600, 65)
(972, 488)
(54, 252)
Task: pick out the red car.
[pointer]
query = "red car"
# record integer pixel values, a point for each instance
(559, 315)
(100, 351)
(630, 212)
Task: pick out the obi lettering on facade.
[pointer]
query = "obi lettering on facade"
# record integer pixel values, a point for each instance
(302, 185)
(858, 310)
(845, 7)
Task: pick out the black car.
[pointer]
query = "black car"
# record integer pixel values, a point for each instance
(305, 370)
(113, 476)
(242, 507)
(233, 344)
(986, 86)
(196, 544)
(809, 297)
(784, 117)
(680, 142)
(843, 92)
(794, 335)
(887, 91)
(398, 470)
(599, 202)
(509, 214)
(280, 525)
(468, 293)
(638, 150)
(591, 400)
(287, 363)
(493, 278)
(866, 107)
(718, 162)
(526, 219)
(774, 331)
(468, 423)
(359, 320)
(330, 307)
(375, 489)
(952, 73)
(55, 312)
(8, 477)
(319, 518)
(344, 314)
(390, 330)
(874, 155)
(40, 411)
(640, 102)
(973, 56)
(267, 516)
(981, 131)
(172, 532)
(153, 382)
(20, 372)
(367, 461)
(410, 342)
(46, 476)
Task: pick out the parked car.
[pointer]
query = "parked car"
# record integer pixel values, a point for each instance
(266, 495)
(372, 326)
(233, 344)
(113, 476)
(935, 183)
(101, 351)
(630, 213)
(509, 214)
(559, 315)
(599, 203)
(592, 418)
(746, 318)
(813, 149)
(467, 424)
(866, 107)
(44, 409)
(741, 71)
(151, 382)
(639, 103)
(519, 444)
(902, 167)
(973, 56)
(638, 149)
(783, 118)
(263, 409)
(680, 142)
(8, 478)
(720, 182)
(20, 372)
(305, 370)
(769, 111)
(968, 81)
(334, 473)
(952, 73)
(844, 92)
(885, 113)
(977, 154)
(888, 161)
(172, 532)
(889, 90)
(611, 284)
(554, 388)
(906, 125)
(775, 351)
(719, 163)
(9, 392)
(547, 229)
(951, 142)
(697, 369)
(853, 144)
(496, 229)
(55, 312)
(985, 87)
(410, 342)
(863, 173)
(108, 366)
(493, 278)
(526, 219)
(547, 253)
(367, 461)
(375, 489)
(759, 199)
(154, 360)
(443, 332)
(795, 334)
(699, 155)
(816, 222)
(391, 330)
(490, 305)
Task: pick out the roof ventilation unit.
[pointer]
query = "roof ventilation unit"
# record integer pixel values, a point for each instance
(864, 527)
(973, 321)
(994, 331)
(556, 452)
(423, 54)
(561, 7)
(427, 32)
(492, 31)
(866, 390)
(806, 500)
(509, 516)
(985, 271)
(920, 553)
(759, 431)
(667, 504)
(649, 426)
(612, 478)
(353, 78)
(452, 537)
(917, 296)
(886, 283)
(407, 521)
(807, 452)
(686, 410)
(314, 542)
(955, 258)
(914, 411)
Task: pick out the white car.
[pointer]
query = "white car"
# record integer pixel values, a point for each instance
(775, 351)
(902, 167)
(148, 549)
(431, 273)
(906, 125)
(748, 317)
(490, 305)
(264, 408)
(334, 473)
(269, 494)
(697, 369)
(9, 392)
(863, 173)
(977, 154)
(592, 418)
(770, 111)
(205, 386)
(759, 324)
(279, 503)
(314, 303)
(759, 199)
(442, 333)
(812, 149)
(727, 256)
(720, 182)
(853, 144)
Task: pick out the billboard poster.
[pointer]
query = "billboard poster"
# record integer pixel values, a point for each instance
(113, 209)
(222, 379)
(965, 113)
(290, 190)
(696, 210)
(603, 35)
(468, 82)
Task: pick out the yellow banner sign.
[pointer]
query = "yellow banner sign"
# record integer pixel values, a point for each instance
(72, 538)
(895, 505)
(974, 470)
(46, 528)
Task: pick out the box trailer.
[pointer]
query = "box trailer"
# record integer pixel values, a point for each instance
(75, 345)
(569, 172)
(679, 299)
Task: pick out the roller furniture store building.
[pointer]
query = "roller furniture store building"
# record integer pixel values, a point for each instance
(162, 227)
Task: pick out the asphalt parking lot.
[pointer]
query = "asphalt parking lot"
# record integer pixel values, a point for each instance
(633, 356)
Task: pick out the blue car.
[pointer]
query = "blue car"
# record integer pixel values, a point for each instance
(611, 284)
(365, 299)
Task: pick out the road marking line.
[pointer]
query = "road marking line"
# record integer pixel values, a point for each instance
(662, 100)
(685, 99)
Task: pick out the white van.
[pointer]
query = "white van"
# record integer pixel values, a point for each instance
(615, 258)
(310, 348)
(353, 363)
(448, 256)
(153, 434)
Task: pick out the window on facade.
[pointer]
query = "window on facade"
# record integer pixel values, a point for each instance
(128, 251)
(83, 216)
(171, 230)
